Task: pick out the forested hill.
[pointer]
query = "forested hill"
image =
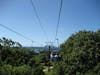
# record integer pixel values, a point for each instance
(79, 55)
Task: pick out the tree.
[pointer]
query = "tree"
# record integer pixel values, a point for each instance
(81, 53)
(9, 43)
(16, 60)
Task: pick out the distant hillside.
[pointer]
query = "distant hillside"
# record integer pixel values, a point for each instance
(43, 48)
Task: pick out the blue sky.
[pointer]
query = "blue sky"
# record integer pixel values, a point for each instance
(19, 15)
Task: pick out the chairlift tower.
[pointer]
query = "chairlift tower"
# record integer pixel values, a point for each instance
(57, 42)
(49, 46)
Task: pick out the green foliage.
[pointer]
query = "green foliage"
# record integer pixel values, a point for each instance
(15, 60)
(38, 71)
(81, 54)
(94, 71)
(58, 70)
(6, 70)
(9, 43)
(22, 70)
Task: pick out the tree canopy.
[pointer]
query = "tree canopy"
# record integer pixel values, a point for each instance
(16, 60)
(81, 54)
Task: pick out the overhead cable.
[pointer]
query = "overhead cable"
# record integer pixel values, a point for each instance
(8, 28)
(59, 17)
(38, 18)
